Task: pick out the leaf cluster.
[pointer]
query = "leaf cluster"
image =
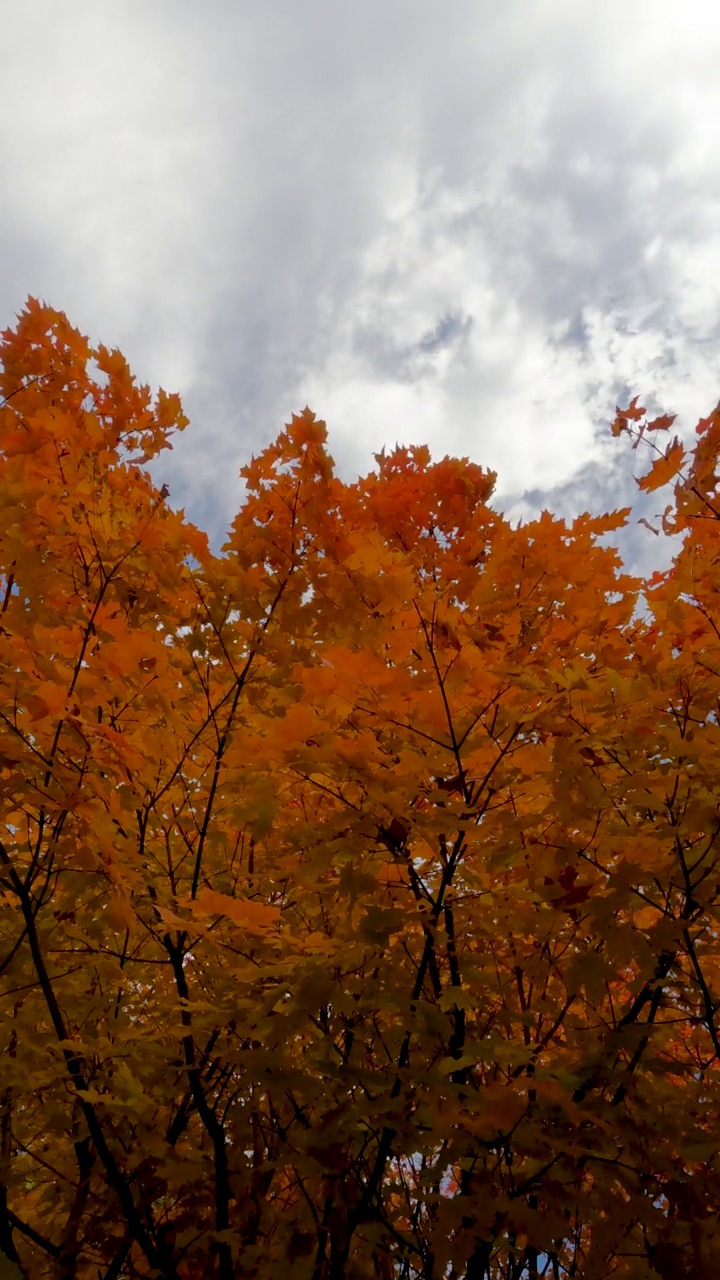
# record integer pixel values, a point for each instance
(359, 883)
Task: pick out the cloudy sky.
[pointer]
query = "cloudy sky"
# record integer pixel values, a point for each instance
(473, 225)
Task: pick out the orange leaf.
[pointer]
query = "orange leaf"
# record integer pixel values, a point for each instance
(634, 411)
(251, 915)
(662, 423)
(664, 469)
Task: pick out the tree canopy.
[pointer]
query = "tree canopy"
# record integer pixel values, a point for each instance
(359, 882)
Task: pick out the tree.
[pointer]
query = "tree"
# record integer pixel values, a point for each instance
(359, 883)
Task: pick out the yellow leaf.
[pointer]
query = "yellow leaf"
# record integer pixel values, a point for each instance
(121, 914)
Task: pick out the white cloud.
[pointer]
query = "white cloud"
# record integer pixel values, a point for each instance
(474, 226)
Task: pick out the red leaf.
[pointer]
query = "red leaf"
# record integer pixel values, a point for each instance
(663, 423)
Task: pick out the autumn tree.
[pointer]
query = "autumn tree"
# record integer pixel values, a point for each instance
(359, 883)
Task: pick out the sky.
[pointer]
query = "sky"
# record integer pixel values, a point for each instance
(477, 226)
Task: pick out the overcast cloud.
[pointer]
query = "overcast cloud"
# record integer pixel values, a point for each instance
(473, 225)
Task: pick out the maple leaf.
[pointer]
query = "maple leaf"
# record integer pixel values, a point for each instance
(634, 411)
(664, 468)
(252, 916)
(662, 423)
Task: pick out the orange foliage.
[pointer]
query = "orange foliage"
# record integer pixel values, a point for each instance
(359, 883)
